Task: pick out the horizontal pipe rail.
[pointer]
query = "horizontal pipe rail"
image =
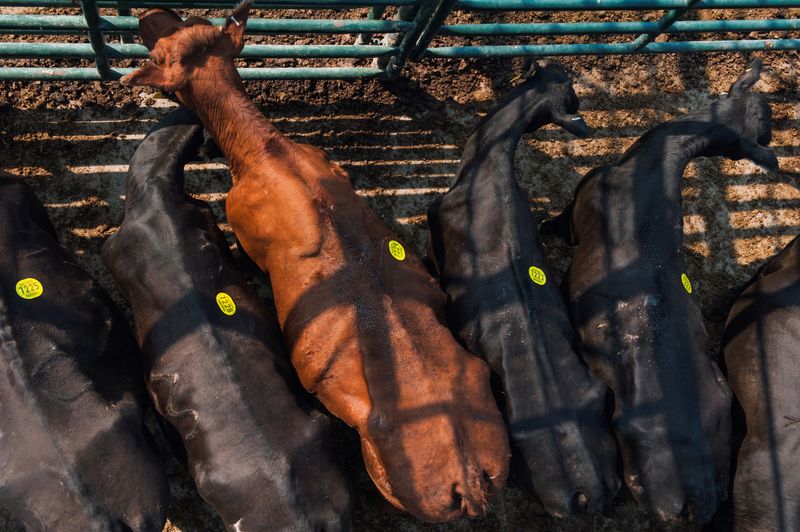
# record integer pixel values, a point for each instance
(215, 4)
(137, 51)
(663, 23)
(504, 5)
(462, 52)
(112, 24)
(405, 38)
(572, 5)
(91, 74)
(600, 28)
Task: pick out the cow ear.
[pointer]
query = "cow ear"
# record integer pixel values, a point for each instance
(749, 77)
(572, 123)
(235, 23)
(760, 155)
(150, 75)
(157, 23)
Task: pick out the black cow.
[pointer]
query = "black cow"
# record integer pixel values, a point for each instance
(214, 360)
(504, 305)
(633, 305)
(73, 452)
(762, 359)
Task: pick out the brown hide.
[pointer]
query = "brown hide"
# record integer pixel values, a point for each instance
(366, 330)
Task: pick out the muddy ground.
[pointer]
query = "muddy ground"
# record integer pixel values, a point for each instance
(401, 142)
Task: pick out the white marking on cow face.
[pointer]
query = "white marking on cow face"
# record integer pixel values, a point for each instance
(196, 427)
(631, 338)
(237, 526)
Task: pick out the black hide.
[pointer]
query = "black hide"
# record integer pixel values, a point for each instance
(73, 454)
(256, 449)
(483, 243)
(639, 326)
(761, 349)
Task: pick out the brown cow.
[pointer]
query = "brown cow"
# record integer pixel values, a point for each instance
(361, 315)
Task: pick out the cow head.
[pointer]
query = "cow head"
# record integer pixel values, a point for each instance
(756, 119)
(181, 51)
(757, 131)
(560, 98)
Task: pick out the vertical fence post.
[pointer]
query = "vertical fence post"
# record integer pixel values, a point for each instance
(375, 13)
(424, 11)
(404, 14)
(96, 39)
(124, 10)
(661, 25)
(434, 24)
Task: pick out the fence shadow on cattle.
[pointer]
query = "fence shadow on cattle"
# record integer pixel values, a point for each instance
(762, 373)
(400, 157)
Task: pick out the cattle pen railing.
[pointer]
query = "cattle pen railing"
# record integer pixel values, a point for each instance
(407, 30)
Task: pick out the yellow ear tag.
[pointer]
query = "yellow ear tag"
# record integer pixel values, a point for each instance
(226, 304)
(687, 284)
(397, 250)
(537, 275)
(29, 288)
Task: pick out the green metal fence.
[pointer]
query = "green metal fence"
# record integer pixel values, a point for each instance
(407, 30)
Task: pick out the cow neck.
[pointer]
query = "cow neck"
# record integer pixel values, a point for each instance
(156, 169)
(241, 131)
(668, 148)
(489, 152)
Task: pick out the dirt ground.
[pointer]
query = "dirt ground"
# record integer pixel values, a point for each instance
(401, 142)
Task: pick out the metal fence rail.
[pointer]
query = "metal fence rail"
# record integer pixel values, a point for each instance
(645, 42)
(408, 36)
(98, 28)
